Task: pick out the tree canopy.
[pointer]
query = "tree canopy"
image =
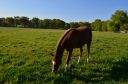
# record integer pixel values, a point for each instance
(118, 21)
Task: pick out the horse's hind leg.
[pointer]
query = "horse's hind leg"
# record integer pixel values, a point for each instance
(81, 51)
(88, 52)
(69, 53)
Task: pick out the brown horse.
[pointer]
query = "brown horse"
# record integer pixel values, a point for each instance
(72, 38)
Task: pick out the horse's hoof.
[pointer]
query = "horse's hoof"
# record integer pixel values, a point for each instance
(87, 62)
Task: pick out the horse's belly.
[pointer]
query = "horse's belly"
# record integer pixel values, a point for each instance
(78, 44)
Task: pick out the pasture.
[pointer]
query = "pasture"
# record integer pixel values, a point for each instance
(25, 58)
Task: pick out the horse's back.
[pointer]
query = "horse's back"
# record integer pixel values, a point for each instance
(84, 34)
(78, 37)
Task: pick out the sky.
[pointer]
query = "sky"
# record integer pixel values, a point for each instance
(67, 10)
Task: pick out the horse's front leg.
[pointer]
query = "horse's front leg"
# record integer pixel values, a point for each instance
(81, 51)
(69, 53)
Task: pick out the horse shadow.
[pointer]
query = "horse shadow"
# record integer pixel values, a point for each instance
(117, 73)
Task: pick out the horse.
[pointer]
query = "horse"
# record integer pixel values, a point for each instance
(72, 38)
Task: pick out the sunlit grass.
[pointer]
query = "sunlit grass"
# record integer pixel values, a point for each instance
(25, 58)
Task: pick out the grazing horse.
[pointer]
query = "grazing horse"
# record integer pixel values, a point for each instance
(72, 38)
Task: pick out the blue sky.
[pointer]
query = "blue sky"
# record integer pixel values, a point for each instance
(67, 10)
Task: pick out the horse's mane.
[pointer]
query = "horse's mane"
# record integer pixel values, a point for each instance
(63, 37)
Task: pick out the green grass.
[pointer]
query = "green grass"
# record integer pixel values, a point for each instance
(25, 58)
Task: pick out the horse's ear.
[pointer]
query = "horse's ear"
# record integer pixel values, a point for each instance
(51, 54)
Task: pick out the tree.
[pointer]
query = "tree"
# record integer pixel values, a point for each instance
(124, 27)
(104, 26)
(47, 23)
(52, 23)
(118, 19)
(24, 21)
(85, 24)
(10, 22)
(2, 21)
(57, 23)
(110, 26)
(67, 26)
(17, 20)
(41, 25)
(97, 25)
(74, 24)
(35, 22)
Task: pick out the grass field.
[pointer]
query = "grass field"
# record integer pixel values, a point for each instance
(25, 58)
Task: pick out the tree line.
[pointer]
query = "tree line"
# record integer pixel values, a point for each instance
(117, 22)
(35, 22)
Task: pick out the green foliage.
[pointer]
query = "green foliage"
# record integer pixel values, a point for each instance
(35, 22)
(84, 24)
(124, 26)
(10, 21)
(25, 58)
(17, 21)
(20, 26)
(2, 22)
(116, 23)
(24, 21)
(47, 23)
(74, 24)
(119, 18)
(78, 24)
(67, 26)
(55, 23)
(97, 25)
(110, 26)
(104, 26)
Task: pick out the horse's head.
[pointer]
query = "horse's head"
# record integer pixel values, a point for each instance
(55, 64)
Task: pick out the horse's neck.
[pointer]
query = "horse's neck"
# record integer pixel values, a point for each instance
(59, 53)
(61, 46)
